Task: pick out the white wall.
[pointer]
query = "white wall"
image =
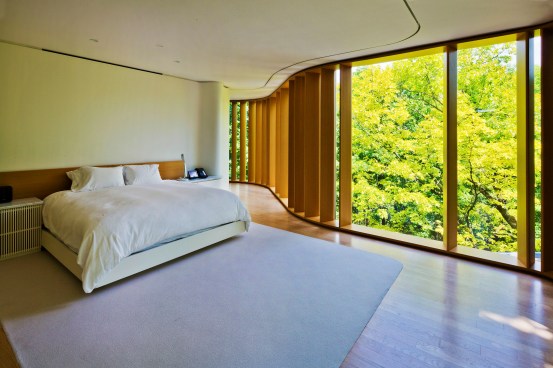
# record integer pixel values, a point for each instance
(215, 113)
(60, 111)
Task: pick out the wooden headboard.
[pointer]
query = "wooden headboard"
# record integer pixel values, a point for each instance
(41, 183)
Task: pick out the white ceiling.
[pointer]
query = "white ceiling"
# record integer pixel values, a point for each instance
(251, 46)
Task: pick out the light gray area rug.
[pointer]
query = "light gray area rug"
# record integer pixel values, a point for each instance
(267, 298)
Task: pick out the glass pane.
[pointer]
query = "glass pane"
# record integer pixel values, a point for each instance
(238, 137)
(397, 146)
(537, 142)
(230, 140)
(487, 147)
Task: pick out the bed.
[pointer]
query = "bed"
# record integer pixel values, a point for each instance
(107, 234)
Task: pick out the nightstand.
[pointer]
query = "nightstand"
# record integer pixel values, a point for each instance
(20, 227)
(211, 181)
(200, 180)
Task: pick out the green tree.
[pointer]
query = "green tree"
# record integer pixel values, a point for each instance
(537, 155)
(487, 127)
(398, 146)
(238, 135)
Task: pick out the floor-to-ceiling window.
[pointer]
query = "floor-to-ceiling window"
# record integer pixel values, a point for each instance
(445, 146)
(537, 142)
(397, 145)
(238, 140)
(487, 146)
(398, 150)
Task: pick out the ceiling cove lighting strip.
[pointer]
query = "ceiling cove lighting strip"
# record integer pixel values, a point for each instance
(100, 61)
(345, 52)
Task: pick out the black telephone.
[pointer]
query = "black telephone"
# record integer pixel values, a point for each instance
(201, 173)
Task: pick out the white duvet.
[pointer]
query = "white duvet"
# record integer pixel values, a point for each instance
(107, 225)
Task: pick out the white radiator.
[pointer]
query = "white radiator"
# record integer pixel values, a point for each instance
(20, 227)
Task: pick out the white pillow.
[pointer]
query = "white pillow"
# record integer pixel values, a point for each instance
(88, 178)
(142, 174)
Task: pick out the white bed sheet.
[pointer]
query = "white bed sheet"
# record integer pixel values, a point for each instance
(108, 225)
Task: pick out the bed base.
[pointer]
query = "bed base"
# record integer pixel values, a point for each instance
(145, 260)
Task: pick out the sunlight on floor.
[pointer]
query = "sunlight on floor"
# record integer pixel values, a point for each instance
(520, 323)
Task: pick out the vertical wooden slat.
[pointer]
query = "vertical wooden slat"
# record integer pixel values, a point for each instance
(291, 143)
(243, 135)
(263, 122)
(328, 146)
(24, 234)
(450, 148)
(284, 142)
(312, 141)
(233, 144)
(525, 149)
(271, 121)
(345, 145)
(278, 146)
(265, 153)
(299, 148)
(267, 117)
(547, 153)
(259, 143)
(251, 141)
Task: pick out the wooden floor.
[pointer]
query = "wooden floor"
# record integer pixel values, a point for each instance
(441, 311)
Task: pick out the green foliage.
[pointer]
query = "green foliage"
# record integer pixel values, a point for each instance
(398, 135)
(398, 146)
(238, 137)
(487, 154)
(537, 154)
(230, 139)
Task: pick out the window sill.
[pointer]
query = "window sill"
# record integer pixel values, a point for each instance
(397, 237)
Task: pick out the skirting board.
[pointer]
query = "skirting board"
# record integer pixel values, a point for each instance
(139, 262)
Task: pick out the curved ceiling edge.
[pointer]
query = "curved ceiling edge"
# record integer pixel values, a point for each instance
(299, 63)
